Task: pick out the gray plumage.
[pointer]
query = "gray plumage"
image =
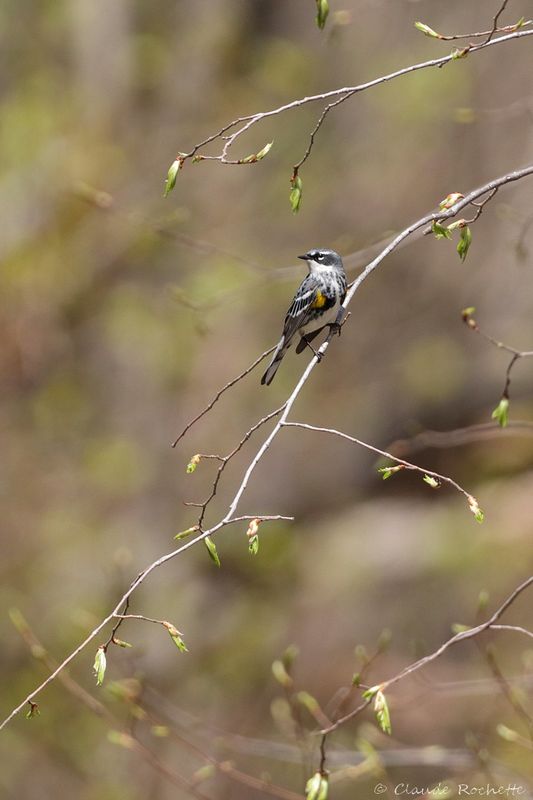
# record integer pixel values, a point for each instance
(316, 304)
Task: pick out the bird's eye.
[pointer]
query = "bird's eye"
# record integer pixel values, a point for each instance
(319, 256)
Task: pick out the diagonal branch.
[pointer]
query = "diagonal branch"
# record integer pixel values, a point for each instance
(230, 517)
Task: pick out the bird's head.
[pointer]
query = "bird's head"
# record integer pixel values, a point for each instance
(320, 257)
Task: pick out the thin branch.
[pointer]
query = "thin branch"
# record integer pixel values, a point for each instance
(230, 517)
(422, 662)
(460, 436)
(495, 21)
(505, 29)
(343, 94)
(516, 354)
(220, 392)
(405, 464)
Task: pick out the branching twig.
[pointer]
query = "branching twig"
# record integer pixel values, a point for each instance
(230, 517)
(470, 633)
(405, 464)
(243, 124)
(516, 354)
(220, 392)
(495, 21)
(459, 436)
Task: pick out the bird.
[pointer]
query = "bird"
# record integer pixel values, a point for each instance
(317, 303)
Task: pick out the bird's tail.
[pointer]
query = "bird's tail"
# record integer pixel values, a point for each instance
(276, 361)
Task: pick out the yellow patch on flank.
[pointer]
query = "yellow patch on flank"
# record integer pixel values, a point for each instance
(319, 301)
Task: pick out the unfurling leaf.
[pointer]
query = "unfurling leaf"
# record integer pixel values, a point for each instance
(386, 472)
(381, 710)
(475, 509)
(426, 30)
(295, 197)
(501, 412)
(431, 481)
(121, 642)
(466, 313)
(212, 550)
(316, 787)
(450, 200)
(99, 666)
(33, 710)
(175, 635)
(322, 11)
(184, 534)
(172, 174)
(458, 627)
(193, 463)
(253, 537)
(440, 231)
(464, 242)
(251, 159)
(456, 53)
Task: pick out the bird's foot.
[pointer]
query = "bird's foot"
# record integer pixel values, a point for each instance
(336, 327)
(317, 354)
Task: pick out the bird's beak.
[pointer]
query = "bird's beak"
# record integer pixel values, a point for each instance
(304, 258)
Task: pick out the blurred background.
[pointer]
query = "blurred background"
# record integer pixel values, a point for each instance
(122, 313)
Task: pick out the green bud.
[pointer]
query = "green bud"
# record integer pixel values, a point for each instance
(99, 666)
(440, 231)
(212, 550)
(175, 635)
(193, 463)
(121, 642)
(456, 53)
(501, 412)
(464, 242)
(427, 31)
(172, 175)
(386, 472)
(507, 733)
(295, 196)
(309, 702)
(253, 545)
(322, 11)
(381, 710)
(316, 787)
(33, 710)
(121, 739)
(184, 534)
(431, 481)
(280, 673)
(251, 159)
(457, 627)
(475, 509)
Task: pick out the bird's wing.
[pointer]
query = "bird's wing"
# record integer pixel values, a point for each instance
(307, 299)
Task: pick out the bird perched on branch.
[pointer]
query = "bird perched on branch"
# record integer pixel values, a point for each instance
(317, 304)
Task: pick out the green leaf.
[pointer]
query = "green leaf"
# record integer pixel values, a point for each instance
(381, 710)
(253, 545)
(464, 242)
(431, 481)
(322, 11)
(440, 231)
(172, 174)
(356, 679)
(426, 30)
(212, 550)
(316, 787)
(501, 412)
(175, 635)
(99, 666)
(295, 197)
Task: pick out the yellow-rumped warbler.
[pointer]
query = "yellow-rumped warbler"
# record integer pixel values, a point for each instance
(316, 304)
